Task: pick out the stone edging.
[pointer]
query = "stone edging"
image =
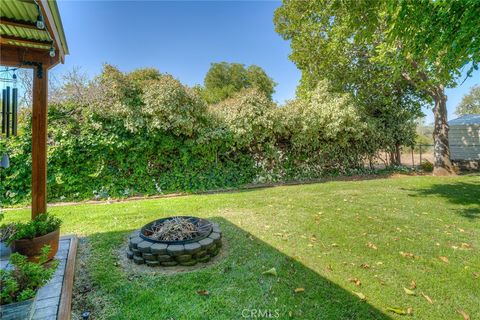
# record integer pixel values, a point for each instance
(160, 254)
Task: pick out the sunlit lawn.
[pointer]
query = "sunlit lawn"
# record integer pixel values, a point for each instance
(319, 237)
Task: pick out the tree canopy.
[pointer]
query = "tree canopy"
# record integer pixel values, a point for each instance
(224, 79)
(323, 47)
(381, 45)
(470, 103)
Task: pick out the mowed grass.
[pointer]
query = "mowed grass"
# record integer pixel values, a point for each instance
(317, 236)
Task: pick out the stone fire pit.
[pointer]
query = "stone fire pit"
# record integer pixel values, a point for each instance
(201, 242)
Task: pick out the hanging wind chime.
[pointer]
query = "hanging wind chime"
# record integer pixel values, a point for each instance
(9, 111)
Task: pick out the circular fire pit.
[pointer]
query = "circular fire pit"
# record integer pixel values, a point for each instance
(181, 240)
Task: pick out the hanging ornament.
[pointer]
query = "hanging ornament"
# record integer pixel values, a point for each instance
(5, 163)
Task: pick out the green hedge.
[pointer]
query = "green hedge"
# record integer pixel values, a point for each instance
(146, 133)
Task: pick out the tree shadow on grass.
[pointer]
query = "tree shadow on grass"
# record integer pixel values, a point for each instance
(236, 287)
(466, 194)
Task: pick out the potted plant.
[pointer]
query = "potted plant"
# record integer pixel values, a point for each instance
(30, 237)
(20, 283)
(6, 231)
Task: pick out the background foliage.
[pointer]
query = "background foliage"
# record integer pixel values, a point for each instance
(224, 79)
(144, 132)
(470, 103)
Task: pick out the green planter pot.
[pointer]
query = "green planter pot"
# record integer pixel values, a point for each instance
(18, 310)
(5, 249)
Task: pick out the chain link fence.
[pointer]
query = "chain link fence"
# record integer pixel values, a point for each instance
(420, 153)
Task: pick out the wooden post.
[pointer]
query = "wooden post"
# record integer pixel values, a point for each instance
(413, 159)
(39, 140)
(420, 154)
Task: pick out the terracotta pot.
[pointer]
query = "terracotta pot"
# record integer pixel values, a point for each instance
(32, 248)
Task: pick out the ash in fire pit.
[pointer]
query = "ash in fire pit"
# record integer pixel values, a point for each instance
(175, 240)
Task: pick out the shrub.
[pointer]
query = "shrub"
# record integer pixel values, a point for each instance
(426, 166)
(249, 115)
(22, 281)
(40, 226)
(322, 133)
(171, 107)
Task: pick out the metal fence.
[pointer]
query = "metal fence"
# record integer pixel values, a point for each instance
(414, 156)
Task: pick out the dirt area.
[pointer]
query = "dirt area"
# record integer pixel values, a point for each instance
(86, 299)
(407, 159)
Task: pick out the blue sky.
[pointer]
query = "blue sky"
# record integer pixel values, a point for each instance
(183, 38)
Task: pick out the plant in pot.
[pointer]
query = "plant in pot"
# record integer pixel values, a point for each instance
(20, 283)
(30, 237)
(6, 231)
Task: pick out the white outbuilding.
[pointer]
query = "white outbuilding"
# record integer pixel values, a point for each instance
(464, 138)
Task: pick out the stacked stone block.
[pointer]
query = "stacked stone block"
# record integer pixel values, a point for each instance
(160, 254)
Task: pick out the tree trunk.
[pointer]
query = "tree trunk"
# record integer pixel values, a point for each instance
(442, 166)
(398, 154)
(394, 155)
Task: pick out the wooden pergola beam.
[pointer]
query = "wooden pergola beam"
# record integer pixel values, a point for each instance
(18, 23)
(15, 56)
(4, 39)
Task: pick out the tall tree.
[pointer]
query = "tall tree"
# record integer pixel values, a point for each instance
(224, 79)
(470, 103)
(424, 43)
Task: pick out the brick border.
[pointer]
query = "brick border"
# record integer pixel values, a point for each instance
(156, 254)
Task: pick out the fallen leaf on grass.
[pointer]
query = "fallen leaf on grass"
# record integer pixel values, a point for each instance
(409, 292)
(407, 254)
(476, 274)
(365, 265)
(272, 272)
(203, 292)
(444, 259)
(371, 245)
(399, 311)
(334, 245)
(466, 246)
(413, 285)
(464, 314)
(360, 295)
(427, 298)
(297, 290)
(356, 281)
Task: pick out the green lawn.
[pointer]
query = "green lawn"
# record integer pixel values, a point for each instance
(317, 236)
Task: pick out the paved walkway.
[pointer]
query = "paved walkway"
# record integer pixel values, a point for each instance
(48, 297)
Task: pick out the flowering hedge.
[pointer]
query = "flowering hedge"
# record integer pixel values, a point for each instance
(146, 133)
